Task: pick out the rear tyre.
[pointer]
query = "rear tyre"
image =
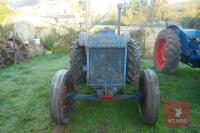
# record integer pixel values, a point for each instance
(150, 105)
(133, 62)
(167, 51)
(77, 61)
(61, 107)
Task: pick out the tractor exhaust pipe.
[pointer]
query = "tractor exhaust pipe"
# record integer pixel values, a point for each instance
(119, 7)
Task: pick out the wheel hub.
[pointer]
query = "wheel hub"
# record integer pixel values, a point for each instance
(66, 101)
(161, 53)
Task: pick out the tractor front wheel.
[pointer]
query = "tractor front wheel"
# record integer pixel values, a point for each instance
(167, 51)
(61, 107)
(150, 104)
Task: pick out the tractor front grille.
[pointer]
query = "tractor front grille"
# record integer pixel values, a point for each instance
(106, 67)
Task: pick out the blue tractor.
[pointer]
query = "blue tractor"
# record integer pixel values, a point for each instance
(175, 44)
(107, 62)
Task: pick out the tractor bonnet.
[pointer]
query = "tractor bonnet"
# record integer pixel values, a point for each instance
(106, 38)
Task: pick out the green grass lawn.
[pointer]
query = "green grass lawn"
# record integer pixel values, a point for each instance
(24, 107)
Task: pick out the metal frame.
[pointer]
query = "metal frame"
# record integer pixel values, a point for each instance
(190, 47)
(139, 97)
(125, 64)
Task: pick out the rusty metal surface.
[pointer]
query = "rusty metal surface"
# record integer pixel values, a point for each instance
(3, 54)
(1, 62)
(12, 51)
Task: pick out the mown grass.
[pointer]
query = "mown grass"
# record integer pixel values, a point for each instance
(24, 107)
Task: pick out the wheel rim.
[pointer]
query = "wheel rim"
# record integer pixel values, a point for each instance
(142, 89)
(67, 104)
(161, 53)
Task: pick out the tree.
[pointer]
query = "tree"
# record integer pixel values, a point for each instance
(147, 10)
(4, 10)
(158, 10)
(188, 13)
(110, 18)
(135, 11)
(197, 8)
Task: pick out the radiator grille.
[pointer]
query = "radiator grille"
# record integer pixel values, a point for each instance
(106, 66)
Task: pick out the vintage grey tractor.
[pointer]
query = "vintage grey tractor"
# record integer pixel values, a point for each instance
(107, 62)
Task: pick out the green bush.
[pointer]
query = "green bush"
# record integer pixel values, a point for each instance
(60, 49)
(63, 43)
(67, 39)
(138, 35)
(5, 32)
(49, 42)
(1, 31)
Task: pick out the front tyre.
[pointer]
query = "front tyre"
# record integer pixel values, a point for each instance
(150, 105)
(61, 107)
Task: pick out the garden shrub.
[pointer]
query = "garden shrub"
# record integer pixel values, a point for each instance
(60, 49)
(138, 35)
(72, 35)
(48, 42)
(62, 45)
